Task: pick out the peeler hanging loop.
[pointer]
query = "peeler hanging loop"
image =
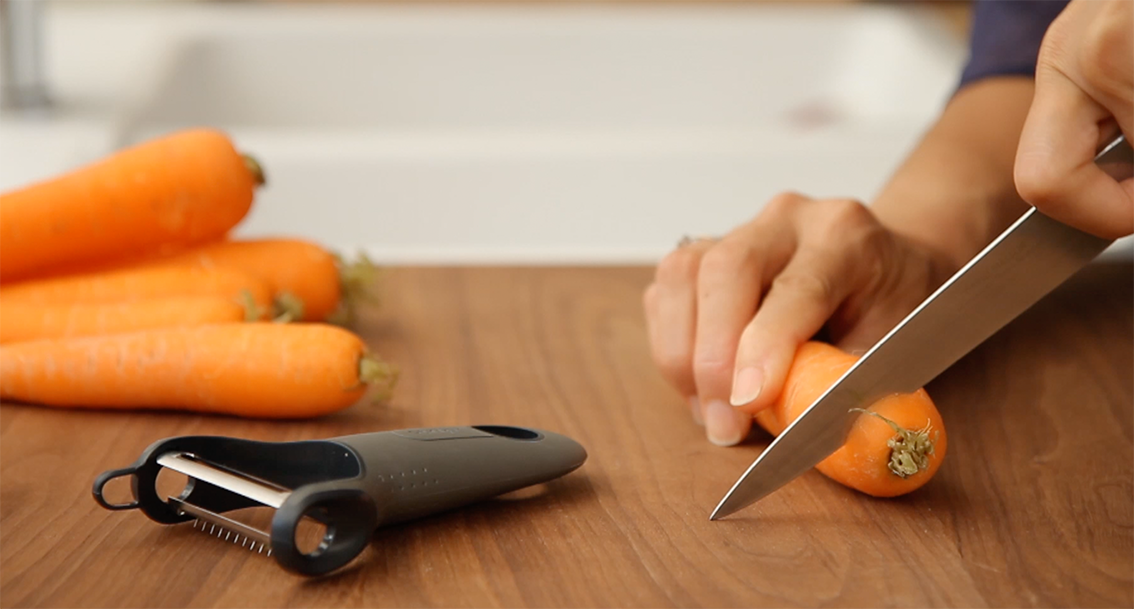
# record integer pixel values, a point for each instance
(105, 477)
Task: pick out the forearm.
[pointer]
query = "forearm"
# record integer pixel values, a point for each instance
(955, 192)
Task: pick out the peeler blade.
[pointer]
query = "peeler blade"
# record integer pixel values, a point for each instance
(256, 489)
(219, 525)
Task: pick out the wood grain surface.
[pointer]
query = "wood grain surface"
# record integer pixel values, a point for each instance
(1034, 505)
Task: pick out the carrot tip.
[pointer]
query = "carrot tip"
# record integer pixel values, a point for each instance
(909, 449)
(383, 376)
(255, 168)
(287, 307)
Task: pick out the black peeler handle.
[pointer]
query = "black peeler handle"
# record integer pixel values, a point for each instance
(351, 484)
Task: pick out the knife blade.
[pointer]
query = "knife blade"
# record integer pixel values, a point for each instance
(1024, 263)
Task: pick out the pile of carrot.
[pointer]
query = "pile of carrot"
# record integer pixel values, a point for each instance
(121, 286)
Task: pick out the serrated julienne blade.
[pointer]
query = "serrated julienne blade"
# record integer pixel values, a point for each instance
(1026, 262)
(226, 528)
(219, 525)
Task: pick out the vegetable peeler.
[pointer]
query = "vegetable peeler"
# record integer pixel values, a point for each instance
(1028, 260)
(346, 486)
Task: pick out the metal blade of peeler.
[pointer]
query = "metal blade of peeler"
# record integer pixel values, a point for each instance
(1026, 262)
(233, 529)
(242, 484)
(222, 526)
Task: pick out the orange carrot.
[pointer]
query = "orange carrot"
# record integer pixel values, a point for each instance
(140, 284)
(187, 187)
(307, 282)
(257, 370)
(892, 450)
(24, 321)
(299, 273)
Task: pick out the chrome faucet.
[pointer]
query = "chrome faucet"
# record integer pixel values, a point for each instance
(23, 81)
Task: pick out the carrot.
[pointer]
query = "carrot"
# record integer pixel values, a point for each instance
(894, 451)
(24, 321)
(302, 276)
(140, 284)
(188, 187)
(308, 283)
(257, 370)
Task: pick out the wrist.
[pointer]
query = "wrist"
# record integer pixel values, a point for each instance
(955, 192)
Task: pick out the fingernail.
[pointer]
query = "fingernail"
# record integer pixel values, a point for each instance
(749, 382)
(721, 424)
(695, 408)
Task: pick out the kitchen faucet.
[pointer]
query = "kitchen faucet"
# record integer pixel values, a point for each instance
(23, 83)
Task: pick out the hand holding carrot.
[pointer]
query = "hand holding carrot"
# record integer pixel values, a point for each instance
(726, 316)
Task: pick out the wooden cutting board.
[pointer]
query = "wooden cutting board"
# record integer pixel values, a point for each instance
(1034, 505)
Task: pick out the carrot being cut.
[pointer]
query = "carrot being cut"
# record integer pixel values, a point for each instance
(257, 370)
(25, 321)
(140, 284)
(187, 187)
(893, 449)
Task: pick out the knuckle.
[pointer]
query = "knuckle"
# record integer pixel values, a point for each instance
(783, 203)
(709, 369)
(809, 286)
(842, 213)
(679, 266)
(726, 258)
(1036, 183)
(840, 222)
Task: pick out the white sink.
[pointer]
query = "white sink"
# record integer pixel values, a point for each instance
(515, 133)
(383, 70)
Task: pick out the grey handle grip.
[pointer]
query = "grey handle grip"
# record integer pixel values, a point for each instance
(418, 472)
(413, 473)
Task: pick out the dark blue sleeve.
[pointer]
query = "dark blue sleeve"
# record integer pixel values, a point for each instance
(1006, 37)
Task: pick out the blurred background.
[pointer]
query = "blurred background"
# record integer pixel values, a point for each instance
(511, 132)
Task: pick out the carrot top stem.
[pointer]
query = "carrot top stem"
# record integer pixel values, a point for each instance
(252, 311)
(357, 280)
(255, 168)
(373, 371)
(909, 449)
(287, 307)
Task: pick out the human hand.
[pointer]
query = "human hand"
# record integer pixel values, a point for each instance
(726, 316)
(1084, 84)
